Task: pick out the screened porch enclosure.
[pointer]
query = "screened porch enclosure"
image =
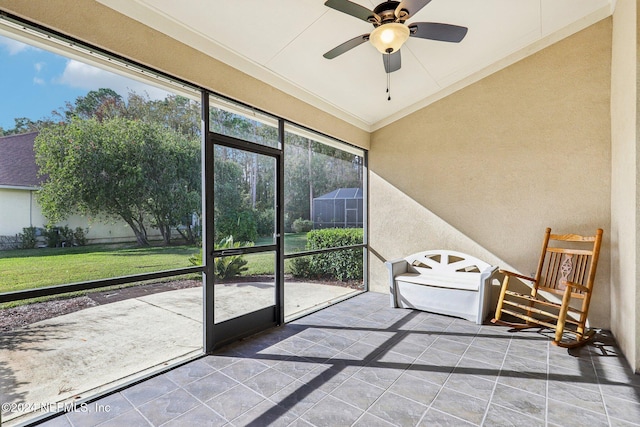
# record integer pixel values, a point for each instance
(341, 208)
(78, 320)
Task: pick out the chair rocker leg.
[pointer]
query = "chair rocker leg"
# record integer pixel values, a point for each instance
(513, 325)
(578, 342)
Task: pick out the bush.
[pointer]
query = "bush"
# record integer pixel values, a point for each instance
(52, 236)
(301, 267)
(240, 224)
(80, 236)
(28, 238)
(66, 236)
(343, 265)
(302, 225)
(266, 220)
(288, 223)
(196, 259)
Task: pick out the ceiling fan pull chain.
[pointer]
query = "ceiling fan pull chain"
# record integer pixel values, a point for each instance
(388, 76)
(388, 87)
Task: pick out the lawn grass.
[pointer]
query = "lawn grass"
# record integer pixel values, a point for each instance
(36, 268)
(293, 242)
(264, 264)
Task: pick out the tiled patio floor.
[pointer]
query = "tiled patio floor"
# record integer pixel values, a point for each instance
(363, 363)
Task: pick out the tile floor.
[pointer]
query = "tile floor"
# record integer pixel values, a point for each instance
(362, 363)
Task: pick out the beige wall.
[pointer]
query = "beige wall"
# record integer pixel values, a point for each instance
(96, 24)
(17, 210)
(625, 222)
(486, 169)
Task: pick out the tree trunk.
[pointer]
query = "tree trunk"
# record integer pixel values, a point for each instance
(310, 184)
(254, 180)
(187, 235)
(141, 236)
(166, 235)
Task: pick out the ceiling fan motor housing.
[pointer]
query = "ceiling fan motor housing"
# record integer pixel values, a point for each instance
(386, 12)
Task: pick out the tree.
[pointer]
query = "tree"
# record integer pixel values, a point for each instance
(232, 212)
(100, 104)
(25, 125)
(119, 168)
(175, 112)
(313, 169)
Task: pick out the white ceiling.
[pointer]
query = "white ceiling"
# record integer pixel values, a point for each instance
(282, 42)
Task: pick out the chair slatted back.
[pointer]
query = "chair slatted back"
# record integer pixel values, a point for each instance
(567, 257)
(567, 268)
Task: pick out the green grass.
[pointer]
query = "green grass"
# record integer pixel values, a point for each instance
(293, 242)
(36, 268)
(263, 264)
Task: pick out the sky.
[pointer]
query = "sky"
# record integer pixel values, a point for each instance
(35, 82)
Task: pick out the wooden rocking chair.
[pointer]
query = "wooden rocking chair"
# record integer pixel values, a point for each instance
(566, 271)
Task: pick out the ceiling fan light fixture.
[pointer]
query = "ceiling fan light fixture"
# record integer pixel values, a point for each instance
(389, 38)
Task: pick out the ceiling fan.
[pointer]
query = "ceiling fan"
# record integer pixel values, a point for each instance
(390, 31)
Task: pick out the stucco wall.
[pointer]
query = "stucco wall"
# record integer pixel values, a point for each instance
(16, 207)
(625, 222)
(101, 26)
(486, 169)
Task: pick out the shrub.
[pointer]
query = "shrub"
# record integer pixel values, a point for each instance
(66, 236)
(52, 236)
(288, 223)
(343, 265)
(265, 222)
(302, 225)
(300, 267)
(28, 238)
(80, 236)
(196, 259)
(240, 224)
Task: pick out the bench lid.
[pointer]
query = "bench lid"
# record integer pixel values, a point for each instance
(445, 262)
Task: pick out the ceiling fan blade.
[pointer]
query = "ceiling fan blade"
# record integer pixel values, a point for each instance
(411, 6)
(437, 31)
(348, 45)
(353, 9)
(391, 61)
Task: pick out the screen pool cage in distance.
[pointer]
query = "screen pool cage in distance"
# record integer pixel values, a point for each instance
(341, 208)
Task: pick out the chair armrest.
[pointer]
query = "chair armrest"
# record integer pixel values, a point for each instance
(576, 286)
(519, 276)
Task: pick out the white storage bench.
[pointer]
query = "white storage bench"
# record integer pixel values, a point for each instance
(444, 282)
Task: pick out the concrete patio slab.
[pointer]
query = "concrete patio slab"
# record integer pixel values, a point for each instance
(82, 353)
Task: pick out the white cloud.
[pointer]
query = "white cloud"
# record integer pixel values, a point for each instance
(38, 81)
(84, 76)
(13, 46)
(39, 66)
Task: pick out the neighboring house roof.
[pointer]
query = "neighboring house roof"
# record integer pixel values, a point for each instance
(342, 193)
(18, 161)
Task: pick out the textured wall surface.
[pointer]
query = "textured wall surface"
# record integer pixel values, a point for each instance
(625, 221)
(488, 168)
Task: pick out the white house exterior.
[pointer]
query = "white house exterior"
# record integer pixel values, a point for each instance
(19, 183)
